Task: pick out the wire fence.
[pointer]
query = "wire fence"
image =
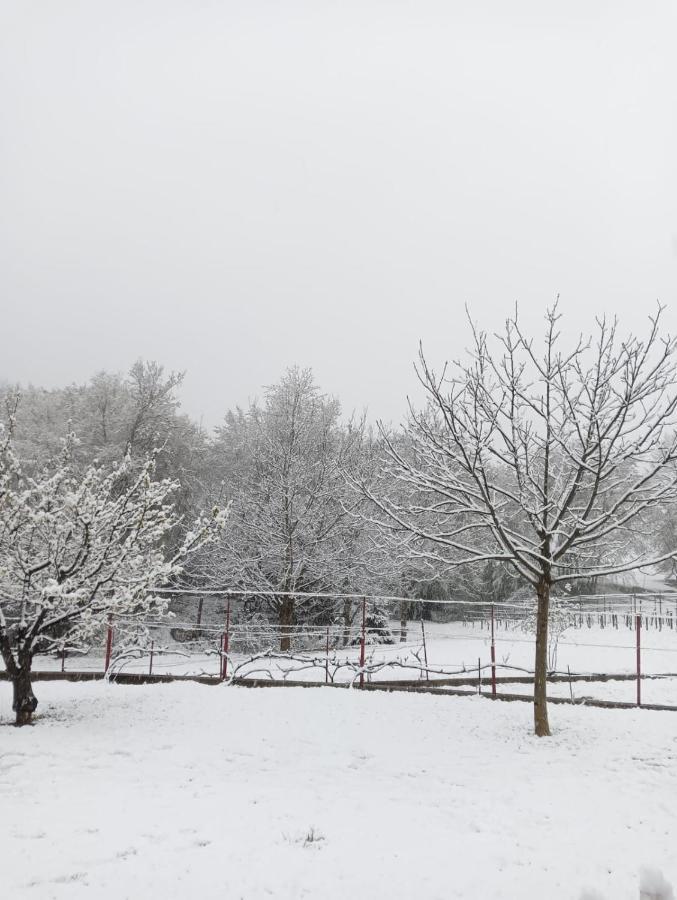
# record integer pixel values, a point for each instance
(621, 642)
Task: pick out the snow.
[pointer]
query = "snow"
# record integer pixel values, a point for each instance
(653, 886)
(186, 790)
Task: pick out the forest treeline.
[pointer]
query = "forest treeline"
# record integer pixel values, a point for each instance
(284, 467)
(288, 467)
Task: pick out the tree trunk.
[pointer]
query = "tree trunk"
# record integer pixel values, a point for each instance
(541, 726)
(24, 702)
(286, 622)
(404, 616)
(347, 620)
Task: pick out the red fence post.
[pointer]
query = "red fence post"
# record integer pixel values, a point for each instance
(150, 664)
(63, 658)
(363, 640)
(638, 626)
(425, 652)
(109, 644)
(493, 656)
(226, 644)
(326, 662)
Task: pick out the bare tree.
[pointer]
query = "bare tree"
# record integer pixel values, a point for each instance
(153, 404)
(544, 459)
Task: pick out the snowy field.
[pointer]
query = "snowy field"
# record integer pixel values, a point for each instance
(190, 791)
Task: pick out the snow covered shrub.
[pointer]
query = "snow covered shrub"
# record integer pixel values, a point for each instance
(253, 633)
(377, 628)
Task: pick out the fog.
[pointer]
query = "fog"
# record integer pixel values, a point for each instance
(231, 188)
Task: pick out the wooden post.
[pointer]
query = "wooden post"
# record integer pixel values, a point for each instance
(493, 656)
(150, 664)
(479, 675)
(226, 644)
(326, 661)
(571, 687)
(109, 644)
(638, 627)
(63, 658)
(199, 610)
(363, 640)
(425, 652)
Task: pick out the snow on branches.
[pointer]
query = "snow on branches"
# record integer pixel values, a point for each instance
(549, 459)
(78, 547)
(290, 528)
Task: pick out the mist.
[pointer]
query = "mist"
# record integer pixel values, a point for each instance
(232, 188)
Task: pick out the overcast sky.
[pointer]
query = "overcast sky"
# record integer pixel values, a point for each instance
(233, 187)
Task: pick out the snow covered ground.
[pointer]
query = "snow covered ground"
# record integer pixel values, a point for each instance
(190, 791)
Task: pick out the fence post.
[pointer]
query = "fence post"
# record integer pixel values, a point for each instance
(63, 658)
(150, 664)
(493, 656)
(425, 652)
(363, 640)
(638, 626)
(109, 644)
(199, 610)
(226, 644)
(326, 662)
(479, 674)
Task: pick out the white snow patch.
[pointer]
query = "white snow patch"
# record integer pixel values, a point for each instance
(186, 790)
(653, 886)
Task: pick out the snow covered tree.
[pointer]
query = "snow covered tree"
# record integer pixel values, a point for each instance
(152, 406)
(376, 626)
(547, 460)
(112, 414)
(77, 547)
(290, 528)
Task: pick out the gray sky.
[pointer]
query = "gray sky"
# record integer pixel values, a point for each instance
(232, 187)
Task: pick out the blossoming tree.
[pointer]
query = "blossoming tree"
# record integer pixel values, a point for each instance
(78, 547)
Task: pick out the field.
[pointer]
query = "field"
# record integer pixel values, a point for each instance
(185, 790)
